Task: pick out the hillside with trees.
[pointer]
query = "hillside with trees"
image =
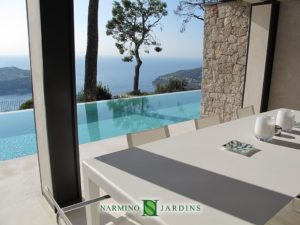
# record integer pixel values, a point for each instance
(191, 78)
(15, 81)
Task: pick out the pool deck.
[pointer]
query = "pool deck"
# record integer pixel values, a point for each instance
(22, 203)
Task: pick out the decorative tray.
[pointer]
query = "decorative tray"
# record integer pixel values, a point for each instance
(240, 148)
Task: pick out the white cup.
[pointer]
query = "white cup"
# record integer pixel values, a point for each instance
(285, 119)
(264, 129)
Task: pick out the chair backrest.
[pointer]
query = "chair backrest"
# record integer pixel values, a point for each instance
(208, 121)
(140, 138)
(244, 112)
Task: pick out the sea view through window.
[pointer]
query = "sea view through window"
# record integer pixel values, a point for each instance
(170, 61)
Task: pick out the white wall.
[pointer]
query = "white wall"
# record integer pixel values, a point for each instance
(285, 85)
(257, 53)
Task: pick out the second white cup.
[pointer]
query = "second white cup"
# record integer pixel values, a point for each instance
(285, 119)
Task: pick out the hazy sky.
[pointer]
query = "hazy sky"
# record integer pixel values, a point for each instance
(13, 28)
(14, 41)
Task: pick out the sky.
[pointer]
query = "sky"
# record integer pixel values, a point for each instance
(14, 40)
(13, 28)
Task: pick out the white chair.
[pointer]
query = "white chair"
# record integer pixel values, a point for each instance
(207, 121)
(63, 219)
(140, 138)
(245, 112)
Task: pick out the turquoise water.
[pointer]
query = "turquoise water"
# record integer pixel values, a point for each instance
(100, 120)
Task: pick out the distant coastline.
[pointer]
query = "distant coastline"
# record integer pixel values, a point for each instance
(191, 76)
(15, 81)
(114, 73)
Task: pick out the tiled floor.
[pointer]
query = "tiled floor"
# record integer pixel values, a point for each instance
(21, 201)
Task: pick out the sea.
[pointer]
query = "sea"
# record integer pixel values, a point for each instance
(112, 71)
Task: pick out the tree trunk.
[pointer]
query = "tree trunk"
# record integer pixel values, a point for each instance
(137, 73)
(90, 80)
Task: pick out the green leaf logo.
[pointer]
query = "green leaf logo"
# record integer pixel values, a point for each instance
(150, 207)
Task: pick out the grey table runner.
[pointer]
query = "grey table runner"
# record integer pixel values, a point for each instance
(243, 200)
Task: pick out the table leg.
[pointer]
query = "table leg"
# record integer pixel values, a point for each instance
(91, 191)
(296, 204)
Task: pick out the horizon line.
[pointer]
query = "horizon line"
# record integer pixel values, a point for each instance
(115, 56)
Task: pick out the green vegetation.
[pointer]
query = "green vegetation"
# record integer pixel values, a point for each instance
(192, 77)
(102, 93)
(132, 26)
(80, 96)
(131, 94)
(173, 85)
(27, 105)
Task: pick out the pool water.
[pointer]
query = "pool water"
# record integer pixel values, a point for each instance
(101, 120)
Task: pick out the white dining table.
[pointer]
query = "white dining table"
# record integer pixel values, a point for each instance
(192, 168)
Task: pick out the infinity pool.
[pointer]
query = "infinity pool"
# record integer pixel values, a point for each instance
(100, 120)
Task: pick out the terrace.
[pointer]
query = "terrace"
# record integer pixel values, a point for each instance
(251, 56)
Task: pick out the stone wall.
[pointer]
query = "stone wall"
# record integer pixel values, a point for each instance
(224, 61)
